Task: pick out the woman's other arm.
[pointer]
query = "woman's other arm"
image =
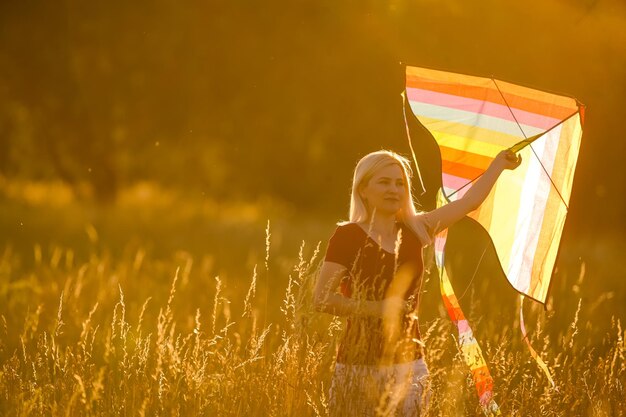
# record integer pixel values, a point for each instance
(327, 300)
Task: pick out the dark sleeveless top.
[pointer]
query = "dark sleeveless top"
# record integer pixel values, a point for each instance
(375, 274)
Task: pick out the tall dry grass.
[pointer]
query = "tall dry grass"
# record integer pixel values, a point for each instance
(137, 335)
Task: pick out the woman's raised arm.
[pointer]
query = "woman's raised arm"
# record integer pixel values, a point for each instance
(447, 215)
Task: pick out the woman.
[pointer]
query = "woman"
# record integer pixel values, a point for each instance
(375, 260)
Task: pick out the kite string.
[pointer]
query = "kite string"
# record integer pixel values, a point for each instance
(530, 144)
(464, 185)
(408, 136)
(474, 275)
(533, 352)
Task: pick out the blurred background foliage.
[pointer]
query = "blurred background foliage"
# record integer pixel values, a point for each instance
(235, 97)
(124, 108)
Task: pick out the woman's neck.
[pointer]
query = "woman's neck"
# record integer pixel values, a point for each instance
(382, 225)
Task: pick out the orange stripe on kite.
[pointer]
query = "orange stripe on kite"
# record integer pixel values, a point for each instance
(506, 87)
(466, 158)
(460, 170)
(454, 312)
(482, 379)
(493, 95)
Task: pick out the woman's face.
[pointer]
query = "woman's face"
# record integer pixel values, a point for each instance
(385, 191)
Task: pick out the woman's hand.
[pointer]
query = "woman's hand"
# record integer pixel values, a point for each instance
(507, 160)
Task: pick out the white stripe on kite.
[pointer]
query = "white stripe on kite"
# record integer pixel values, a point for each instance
(533, 199)
(485, 107)
(446, 115)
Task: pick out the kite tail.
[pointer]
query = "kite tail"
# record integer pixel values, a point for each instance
(472, 354)
(533, 353)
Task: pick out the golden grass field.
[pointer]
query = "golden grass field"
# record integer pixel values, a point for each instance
(162, 306)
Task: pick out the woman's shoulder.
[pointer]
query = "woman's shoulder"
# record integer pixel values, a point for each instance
(344, 244)
(348, 229)
(348, 225)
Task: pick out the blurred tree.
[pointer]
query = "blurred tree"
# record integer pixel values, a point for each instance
(69, 132)
(243, 99)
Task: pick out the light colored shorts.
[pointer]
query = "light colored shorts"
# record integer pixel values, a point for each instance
(395, 390)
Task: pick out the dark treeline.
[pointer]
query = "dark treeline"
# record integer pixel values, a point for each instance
(240, 99)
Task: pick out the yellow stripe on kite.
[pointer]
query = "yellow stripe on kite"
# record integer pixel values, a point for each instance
(474, 146)
(470, 132)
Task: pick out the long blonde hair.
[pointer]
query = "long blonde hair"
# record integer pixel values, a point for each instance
(365, 170)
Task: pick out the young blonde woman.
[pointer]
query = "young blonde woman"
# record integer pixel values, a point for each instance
(372, 274)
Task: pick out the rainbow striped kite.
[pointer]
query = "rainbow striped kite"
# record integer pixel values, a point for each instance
(472, 119)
